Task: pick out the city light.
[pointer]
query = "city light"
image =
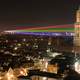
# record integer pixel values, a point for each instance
(23, 72)
(19, 44)
(55, 54)
(24, 39)
(77, 67)
(15, 48)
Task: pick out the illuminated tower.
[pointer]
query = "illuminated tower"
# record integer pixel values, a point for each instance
(77, 29)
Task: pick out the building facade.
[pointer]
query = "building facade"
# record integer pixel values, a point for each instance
(77, 29)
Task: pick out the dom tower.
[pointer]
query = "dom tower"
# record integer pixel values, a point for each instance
(77, 29)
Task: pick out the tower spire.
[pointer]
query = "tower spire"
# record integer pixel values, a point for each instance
(77, 28)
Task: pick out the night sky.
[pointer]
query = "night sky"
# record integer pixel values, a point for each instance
(37, 12)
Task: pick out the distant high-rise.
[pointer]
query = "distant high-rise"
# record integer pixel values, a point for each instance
(77, 29)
